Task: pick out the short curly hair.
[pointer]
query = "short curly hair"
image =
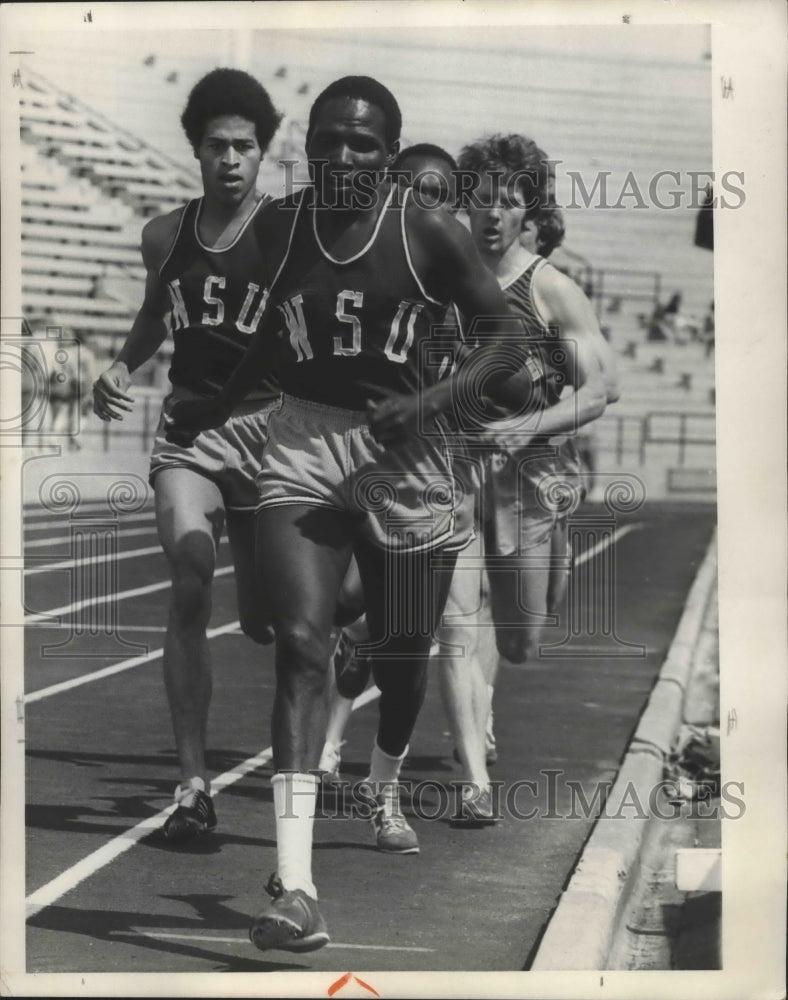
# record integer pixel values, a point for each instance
(550, 229)
(362, 88)
(426, 149)
(511, 155)
(230, 92)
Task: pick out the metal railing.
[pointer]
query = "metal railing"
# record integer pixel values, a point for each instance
(606, 283)
(625, 439)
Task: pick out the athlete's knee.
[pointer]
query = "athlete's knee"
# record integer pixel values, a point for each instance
(457, 643)
(399, 677)
(519, 645)
(255, 622)
(257, 630)
(301, 650)
(191, 595)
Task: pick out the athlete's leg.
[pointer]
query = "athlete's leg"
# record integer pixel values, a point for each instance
(405, 597)
(350, 604)
(518, 592)
(348, 674)
(488, 659)
(303, 553)
(346, 678)
(252, 599)
(560, 564)
(462, 682)
(189, 516)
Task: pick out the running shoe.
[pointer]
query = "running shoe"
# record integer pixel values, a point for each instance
(291, 921)
(194, 816)
(352, 672)
(475, 808)
(393, 833)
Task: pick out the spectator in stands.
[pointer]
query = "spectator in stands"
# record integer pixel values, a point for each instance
(71, 373)
(663, 321)
(708, 330)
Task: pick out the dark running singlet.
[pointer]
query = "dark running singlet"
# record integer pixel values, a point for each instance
(542, 359)
(352, 330)
(218, 297)
(520, 299)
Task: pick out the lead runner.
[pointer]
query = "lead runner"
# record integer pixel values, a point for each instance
(364, 276)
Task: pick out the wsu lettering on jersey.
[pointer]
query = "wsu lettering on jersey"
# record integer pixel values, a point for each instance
(352, 330)
(215, 313)
(352, 341)
(218, 298)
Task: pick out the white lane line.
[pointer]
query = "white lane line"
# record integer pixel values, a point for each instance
(40, 617)
(606, 541)
(365, 697)
(115, 668)
(42, 543)
(154, 654)
(92, 560)
(34, 512)
(215, 939)
(63, 525)
(71, 878)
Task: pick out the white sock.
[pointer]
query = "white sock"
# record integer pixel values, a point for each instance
(185, 788)
(384, 769)
(294, 808)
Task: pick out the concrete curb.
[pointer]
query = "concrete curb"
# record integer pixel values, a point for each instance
(581, 932)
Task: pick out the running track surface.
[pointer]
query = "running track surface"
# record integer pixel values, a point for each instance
(105, 895)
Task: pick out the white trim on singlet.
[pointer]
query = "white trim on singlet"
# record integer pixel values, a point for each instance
(537, 264)
(264, 199)
(369, 243)
(177, 235)
(411, 268)
(289, 242)
(537, 261)
(458, 318)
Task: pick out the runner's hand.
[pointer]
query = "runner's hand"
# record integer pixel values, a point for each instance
(395, 418)
(110, 399)
(508, 435)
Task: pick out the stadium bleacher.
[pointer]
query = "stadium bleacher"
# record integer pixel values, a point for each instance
(88, 185)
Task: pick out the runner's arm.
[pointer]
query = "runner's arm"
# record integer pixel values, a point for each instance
(148, 332)
(590, 367)
(460, 275)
